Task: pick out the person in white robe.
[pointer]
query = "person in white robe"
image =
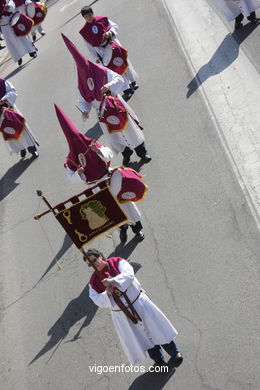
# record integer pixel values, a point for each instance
(91, 170)
(93, 82)
(27, 140)
(17, 46)
(137, 339)
(22, 7)
(238, 9)
(126, 141)
(104, 53)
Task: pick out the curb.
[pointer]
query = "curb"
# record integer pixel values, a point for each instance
(230, 86)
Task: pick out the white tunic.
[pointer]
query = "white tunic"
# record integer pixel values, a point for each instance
(105, 53)
(155, 328)
(130, 208)
(232, 8)
(17, 46)
(10, 94)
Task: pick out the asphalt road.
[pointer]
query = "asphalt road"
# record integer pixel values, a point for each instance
(199, 261)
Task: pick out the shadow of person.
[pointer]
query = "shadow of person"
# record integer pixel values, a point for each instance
(153, 380)
(8, 181)
(136, 165)
(75, 310)
(224, 56)
(94, 132)
(125, 251)
(18, 69)
(67, 243)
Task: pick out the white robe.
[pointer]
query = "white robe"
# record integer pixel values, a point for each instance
(27, 138)
(132, 135)
(36, 28)
(232, 8)
(10, 94)
(130, 208)
(136, 339)
(17, 46)
(106, 53)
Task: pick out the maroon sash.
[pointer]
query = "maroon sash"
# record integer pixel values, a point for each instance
(21, 24)
(118, 62)
(114, 115)
(37, 12)
(133, 188)
(18, 3)
(13, 124)
(111, 269)
(93, 32)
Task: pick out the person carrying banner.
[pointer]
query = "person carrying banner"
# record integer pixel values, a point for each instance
(140, 325)
(93, 82)
(18, 45)
(89, 161)
(99, 34)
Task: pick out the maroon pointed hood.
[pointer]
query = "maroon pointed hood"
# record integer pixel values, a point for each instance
(79, 150)
(91, 77)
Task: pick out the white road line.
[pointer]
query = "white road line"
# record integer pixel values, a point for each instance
(231, 85)
(68, 5)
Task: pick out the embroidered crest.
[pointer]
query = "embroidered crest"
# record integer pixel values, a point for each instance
(113, 120)
(9, 130)
(118, 61)
(128, 195)
(94, 29)
(90, 83)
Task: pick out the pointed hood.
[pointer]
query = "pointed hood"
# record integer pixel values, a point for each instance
(79, 152)
(91, 77)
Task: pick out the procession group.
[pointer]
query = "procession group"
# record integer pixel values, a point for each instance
(106, 85)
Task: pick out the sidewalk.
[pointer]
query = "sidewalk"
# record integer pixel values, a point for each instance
(230, 85)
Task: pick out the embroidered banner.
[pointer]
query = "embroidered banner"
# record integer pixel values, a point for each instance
(90, 214)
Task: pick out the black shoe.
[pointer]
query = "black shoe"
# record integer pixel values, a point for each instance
(33, 54)
(34, 155)
(134, 85)
(126, 160)
(20, 61)
(123, 235)
(2, 47)
(43, 33)
(147, 158)
(140, 235)
(34, 37)
(160, 363)
(177, 359)
(238, 25)
(1, 39)
(127, 94)
(23, 153)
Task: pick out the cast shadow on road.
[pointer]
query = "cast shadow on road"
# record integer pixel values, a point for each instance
(126, 250)
(8, 181)
(223, 57)
(121, 251)
(94, 132)
(18, 69)
(136, 165)
(153, 380)
(81, 306)
(67, 243)
(77, 308)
